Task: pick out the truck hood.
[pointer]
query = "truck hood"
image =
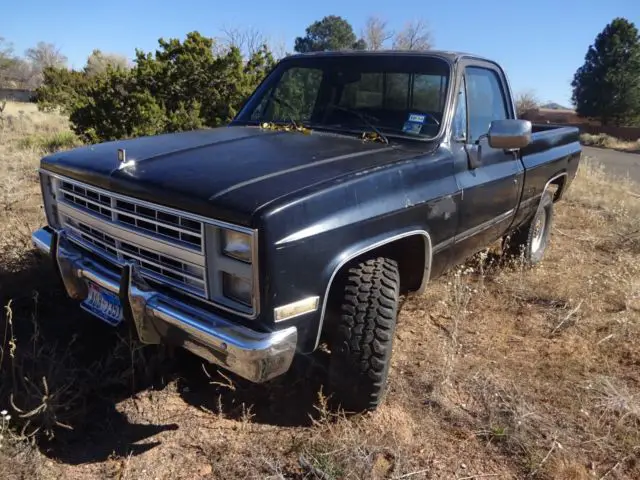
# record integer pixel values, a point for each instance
(226, 173)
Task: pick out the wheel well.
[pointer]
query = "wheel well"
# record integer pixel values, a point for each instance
(410, 253)
(556, 187)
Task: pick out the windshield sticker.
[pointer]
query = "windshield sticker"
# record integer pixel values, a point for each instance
(414, 123)
(412, 127)
(416, 118)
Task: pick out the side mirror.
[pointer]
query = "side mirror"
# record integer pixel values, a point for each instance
(509, 134)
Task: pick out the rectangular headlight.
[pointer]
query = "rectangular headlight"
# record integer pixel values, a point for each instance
(49, 199)
(237, 288)
(236, 245)
(232, 264)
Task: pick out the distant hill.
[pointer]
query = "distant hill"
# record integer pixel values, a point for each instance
(554, 106)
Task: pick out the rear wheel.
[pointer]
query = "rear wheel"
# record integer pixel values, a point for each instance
(530, 241)
(362, 341)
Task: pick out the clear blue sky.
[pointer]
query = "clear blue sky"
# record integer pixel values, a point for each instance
(539, 42)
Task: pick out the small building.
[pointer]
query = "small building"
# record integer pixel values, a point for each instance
(16, 94)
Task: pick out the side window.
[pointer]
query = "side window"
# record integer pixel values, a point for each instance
(486, 101)
(460, 117)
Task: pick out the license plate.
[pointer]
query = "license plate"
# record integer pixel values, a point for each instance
(103, 304)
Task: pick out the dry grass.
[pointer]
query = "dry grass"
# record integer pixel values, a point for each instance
(499, 371)
(20, 210)
(607, 141)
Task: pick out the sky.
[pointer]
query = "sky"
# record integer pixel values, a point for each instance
(540, 43)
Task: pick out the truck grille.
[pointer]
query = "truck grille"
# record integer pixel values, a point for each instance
(167, 246)
(169, 226)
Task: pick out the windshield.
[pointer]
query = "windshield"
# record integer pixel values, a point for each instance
(397, 95)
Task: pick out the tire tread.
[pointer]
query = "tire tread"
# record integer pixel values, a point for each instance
(362, 347)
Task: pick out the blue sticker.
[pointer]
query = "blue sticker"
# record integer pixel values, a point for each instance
(414, 123)
(412, 127)
(416, 118)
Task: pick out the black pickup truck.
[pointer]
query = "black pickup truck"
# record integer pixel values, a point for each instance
(346, 180)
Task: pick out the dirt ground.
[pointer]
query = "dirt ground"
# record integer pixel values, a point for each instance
(499, 371)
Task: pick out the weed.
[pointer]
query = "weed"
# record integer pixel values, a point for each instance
(607, 141)
(50, 143)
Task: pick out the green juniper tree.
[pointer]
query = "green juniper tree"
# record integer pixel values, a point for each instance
(607, 86)
(183, 85)
(331, 33)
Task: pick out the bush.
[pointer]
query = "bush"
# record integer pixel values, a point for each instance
(182, 86)
(114, 109)
(62, 89)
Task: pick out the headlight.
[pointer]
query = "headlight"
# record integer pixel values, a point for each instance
(236, 245)
(237, 288)
(232, 263)
(49, 199)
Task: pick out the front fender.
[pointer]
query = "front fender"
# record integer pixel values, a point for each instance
(307, 241)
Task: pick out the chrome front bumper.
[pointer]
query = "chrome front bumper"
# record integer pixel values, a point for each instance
(158, 318)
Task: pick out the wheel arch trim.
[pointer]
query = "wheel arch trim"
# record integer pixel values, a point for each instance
(561, 188)
(373, 246)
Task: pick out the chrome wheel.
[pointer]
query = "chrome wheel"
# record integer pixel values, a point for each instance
(538, 230)
(528, 242)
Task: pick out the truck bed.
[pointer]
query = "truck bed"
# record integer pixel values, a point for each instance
(549, 137)
(552, 156)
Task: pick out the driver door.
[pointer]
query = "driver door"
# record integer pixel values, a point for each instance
(490, 179)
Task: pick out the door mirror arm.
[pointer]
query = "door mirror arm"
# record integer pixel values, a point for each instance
(480, 138)
(474, 153)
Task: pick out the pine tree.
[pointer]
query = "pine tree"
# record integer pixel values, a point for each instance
(330, 33)
(607, 86)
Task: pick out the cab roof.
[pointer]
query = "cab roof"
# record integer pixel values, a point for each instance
(451, 56)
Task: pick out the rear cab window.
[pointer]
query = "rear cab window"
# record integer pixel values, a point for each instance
(393, 95)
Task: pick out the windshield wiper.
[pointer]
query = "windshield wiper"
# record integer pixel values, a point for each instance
(365, 119)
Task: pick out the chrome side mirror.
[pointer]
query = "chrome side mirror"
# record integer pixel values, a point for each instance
(509, 134)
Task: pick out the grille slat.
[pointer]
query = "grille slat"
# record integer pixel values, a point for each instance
(160, 267)
(170, 227)
(142, 257)
(178, 236)
(105, 211)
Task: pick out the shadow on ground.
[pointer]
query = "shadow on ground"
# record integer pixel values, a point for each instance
(63, 373)
(284, 401)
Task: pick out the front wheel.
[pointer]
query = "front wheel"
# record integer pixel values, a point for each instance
(362, 341)
(531, 240)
